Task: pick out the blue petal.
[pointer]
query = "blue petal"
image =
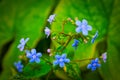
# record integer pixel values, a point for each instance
(19, 46)
(85, 32)
(55, 62)
(84, 22)
(93, 68)
(20, 70)
(39, 54)
(57, 57)
(28, 55)
(98, 65)
(78, 29)
(22, 40)
(89, 27)
(96, 60)
(33, 51)
(61, 64)
(32, 60)
(37, 60)
(93, 40)
(73, 45)
(26, 40)
(89, 66)
(92, 61)
(67, 60)
(78, 23)
(63, 56)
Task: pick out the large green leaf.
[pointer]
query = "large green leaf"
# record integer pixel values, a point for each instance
(27, 19)
(85, 9)
(111, 70)
(98, 13)
(36, 70)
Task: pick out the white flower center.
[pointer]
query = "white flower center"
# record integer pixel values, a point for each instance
(34, 56)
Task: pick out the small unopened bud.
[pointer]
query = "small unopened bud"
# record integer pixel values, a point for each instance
(20, 57)
(85, 41)
(48, 50)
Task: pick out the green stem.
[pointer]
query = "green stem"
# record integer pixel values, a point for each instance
(46, 60)
(64, 46)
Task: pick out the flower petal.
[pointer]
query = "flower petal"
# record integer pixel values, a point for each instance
(93, 68)
(33, 51)
(85, 32)
(32, 60)
(78, 23)
(89, 27)
(89, 66)
(78, 29)
(26, 40)
(61, 64)
(57, 57)
(84, 22)
(55, 62)
(22, 40)
(37, 60)
(67, 60)
(39, 54)
(28, 55)
(63, 56)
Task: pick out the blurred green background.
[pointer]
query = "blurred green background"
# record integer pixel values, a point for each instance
(28, 18)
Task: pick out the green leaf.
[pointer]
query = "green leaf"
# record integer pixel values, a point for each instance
(36, 70)
(73, 71)
(25, 19)
(93, 12)
(111, 69)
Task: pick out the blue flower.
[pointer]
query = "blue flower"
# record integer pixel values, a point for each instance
(61, 60)
(47, 31)
(94, 64)
(83, 27)
(104, 56)
(94, 37)
(22, 43)
(18, 66)
(75, 44)
(51, 18)
(33, 56)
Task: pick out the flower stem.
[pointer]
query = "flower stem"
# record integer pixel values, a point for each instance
(46, 60)
(67, 42)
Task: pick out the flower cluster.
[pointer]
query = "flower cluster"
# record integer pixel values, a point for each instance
(94, 64)
(51, 18)
(75, 44)
(22, 43)
(33, 56)
(83, 27)
(19, 66)
(61, 59)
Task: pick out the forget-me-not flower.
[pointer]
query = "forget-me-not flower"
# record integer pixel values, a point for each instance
(47, 31)
(19, 66)
(83, 27)
(104, 56)
(94, 37)
(75, 44)
(94, 64)
(51, 18)
(61, 60)
(33, 56)
(22, 43)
